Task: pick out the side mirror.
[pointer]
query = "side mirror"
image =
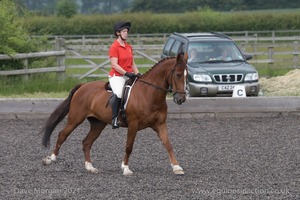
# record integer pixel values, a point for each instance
(248, 57)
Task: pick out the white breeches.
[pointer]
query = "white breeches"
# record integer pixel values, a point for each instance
(117, 83)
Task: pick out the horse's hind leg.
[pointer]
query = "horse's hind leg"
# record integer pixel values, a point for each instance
(62, 136)
(95, 130)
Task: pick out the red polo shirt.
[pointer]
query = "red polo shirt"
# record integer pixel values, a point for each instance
(124, 55)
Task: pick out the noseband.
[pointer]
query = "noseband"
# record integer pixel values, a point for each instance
(170, 89)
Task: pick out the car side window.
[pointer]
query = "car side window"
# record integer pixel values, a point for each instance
(168, 46)
(176, 48)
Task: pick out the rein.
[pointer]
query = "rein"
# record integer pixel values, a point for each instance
(155, 86)
(170, 89)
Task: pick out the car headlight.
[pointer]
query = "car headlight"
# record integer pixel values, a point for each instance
(202, 78)
(251, 77)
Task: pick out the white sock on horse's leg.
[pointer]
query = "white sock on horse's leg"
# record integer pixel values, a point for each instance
(90, 168)
(49, 159)
(126, 170)
(177, 169)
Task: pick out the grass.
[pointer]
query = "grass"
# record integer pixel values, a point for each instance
(36, 84)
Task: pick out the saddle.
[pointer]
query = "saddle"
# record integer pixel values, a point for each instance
(124, 99)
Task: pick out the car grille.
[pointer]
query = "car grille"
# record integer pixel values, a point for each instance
(228, 78)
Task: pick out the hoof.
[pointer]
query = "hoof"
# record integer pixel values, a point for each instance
(177, 170)
(126, 170)
(47, 161)
(94, 170)
(89, 167)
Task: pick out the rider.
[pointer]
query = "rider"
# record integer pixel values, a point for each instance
(122, 66)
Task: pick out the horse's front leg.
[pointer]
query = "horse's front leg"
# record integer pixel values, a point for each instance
(162, 132)
(131, 134)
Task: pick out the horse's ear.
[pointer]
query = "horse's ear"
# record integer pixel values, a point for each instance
(181, 56)
(186, 57)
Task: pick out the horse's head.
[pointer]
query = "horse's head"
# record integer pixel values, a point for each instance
(177, 79)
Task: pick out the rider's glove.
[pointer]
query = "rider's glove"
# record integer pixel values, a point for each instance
(130, 75)
(138, 74)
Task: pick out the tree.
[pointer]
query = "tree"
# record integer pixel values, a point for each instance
(66, 8)
(14, 37)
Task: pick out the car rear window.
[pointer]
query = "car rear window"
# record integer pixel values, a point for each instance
(168, 46)
(175, 48)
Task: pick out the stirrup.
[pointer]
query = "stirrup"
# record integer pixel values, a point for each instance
(114, 123)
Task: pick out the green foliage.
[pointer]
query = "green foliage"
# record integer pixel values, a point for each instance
(144, 23)
(14, 37)
(66, 8)
(46, 7)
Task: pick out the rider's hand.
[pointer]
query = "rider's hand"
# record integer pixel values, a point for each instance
(130, 75)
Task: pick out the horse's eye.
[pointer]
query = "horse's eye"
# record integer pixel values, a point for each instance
(178, 75)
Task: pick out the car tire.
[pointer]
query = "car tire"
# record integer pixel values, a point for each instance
(187, 88)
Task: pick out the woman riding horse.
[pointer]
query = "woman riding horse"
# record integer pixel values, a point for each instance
(146, 107)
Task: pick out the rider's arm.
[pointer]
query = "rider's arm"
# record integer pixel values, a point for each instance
(114, 64)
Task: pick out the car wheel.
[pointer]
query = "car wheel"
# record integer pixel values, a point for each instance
(187, 88)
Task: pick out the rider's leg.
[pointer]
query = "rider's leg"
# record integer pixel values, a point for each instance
(117, 83)
(115, 111)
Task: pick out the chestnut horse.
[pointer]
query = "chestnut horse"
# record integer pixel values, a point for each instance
(146, 107)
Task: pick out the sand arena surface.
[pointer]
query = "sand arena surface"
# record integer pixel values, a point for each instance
(234, 158)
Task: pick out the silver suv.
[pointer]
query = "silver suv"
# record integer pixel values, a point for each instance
(215, 66)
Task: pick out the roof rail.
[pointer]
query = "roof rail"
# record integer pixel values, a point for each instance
(179, 34)
(220, 35)
(190, 35)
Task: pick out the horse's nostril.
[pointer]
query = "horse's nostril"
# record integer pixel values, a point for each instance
(180, 102)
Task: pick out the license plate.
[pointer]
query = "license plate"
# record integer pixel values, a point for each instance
(226, 87)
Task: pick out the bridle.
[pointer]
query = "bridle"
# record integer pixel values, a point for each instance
(170, 89)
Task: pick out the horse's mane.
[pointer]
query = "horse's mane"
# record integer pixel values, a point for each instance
(162, 60)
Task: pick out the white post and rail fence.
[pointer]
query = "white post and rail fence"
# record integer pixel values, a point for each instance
(269, 50)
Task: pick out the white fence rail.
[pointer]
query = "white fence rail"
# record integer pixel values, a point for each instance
(267, 47)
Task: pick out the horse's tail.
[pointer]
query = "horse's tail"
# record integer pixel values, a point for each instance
(57, 116)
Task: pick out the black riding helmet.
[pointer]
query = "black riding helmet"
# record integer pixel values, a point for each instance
(120, 26)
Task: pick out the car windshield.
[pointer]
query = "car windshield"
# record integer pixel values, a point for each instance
(214, 51)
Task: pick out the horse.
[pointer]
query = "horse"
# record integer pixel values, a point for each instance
(146, 107)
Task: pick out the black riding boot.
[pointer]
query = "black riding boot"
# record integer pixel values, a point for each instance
(115, 111)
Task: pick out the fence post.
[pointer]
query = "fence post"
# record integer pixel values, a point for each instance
(255, 44)
(60, 60)
(296, 54)
(25, 63)
(83, 41)
(139, 39)
(270, 56)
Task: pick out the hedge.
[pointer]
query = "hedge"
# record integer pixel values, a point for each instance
(165, 23)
